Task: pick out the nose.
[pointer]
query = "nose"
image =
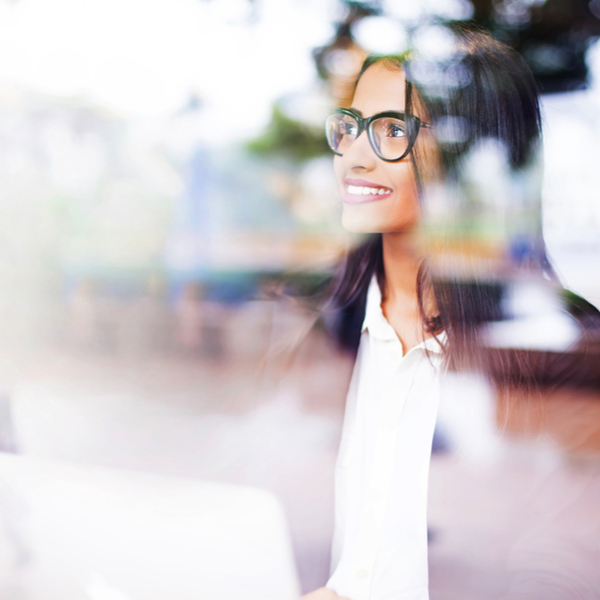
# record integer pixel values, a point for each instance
(360, 156)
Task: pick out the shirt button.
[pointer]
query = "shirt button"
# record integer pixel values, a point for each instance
(362, 574)
(395, 355)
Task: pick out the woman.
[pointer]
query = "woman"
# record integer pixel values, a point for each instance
(404, 324)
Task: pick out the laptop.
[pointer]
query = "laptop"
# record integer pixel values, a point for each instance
(71, 532)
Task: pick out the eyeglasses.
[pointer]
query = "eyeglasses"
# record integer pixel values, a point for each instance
(391, 134)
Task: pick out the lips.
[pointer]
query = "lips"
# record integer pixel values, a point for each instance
(359, 191)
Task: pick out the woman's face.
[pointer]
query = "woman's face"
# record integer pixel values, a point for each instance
(381, 88)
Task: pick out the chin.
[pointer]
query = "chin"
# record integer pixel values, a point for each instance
(360, 228)
(360, 221)
(359, 224)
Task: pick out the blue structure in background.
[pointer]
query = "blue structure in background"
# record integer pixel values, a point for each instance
(188, 250)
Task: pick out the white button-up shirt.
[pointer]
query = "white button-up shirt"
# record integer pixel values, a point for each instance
(380, 538)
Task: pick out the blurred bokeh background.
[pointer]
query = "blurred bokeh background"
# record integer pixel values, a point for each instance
(162, 165)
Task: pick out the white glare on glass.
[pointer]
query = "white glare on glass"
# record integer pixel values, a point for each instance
(380, 35)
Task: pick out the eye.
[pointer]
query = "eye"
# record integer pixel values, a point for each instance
(348, 128)
(395, 129)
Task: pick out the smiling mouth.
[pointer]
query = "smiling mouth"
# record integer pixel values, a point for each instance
(362, 194)
(359, 190)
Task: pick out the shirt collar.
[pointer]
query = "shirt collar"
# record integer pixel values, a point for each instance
(379, 327)
(375, 322)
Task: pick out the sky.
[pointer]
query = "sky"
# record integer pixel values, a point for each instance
(145, 59)
(148, 57)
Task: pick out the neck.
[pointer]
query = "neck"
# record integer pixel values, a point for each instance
(401, 266)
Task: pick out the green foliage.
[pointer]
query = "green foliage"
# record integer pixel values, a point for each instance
(579, 307)
(287, 137)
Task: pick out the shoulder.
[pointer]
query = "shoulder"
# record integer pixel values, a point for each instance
(342, 321)
(575, 366)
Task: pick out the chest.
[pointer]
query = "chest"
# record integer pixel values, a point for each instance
(406, 322)
(393, 399)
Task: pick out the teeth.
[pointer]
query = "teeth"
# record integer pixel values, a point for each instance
(365, 191)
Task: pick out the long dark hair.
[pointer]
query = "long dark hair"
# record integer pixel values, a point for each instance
(500, 101)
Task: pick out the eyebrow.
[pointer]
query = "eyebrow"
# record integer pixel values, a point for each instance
(359, 113)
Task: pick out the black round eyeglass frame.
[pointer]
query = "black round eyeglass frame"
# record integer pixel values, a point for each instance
(413, 125)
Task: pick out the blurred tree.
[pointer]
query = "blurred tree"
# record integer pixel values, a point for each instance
(289, 138)
(552, 35)
(295, 140)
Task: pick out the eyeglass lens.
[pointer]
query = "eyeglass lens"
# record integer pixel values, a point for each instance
(388, 135)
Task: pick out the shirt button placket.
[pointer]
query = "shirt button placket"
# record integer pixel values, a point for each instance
(362, 586)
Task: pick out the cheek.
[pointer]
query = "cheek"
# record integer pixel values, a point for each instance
(339, 171)
(404, 212)
(404, 207)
